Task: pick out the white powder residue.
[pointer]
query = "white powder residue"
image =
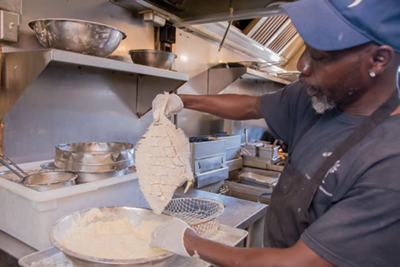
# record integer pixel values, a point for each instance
(118, 239)
(56, 260)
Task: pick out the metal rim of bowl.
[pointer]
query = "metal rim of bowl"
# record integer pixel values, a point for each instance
(73, 178)
(152, 51)
(58, 147)
(103, 260)
(75, 20)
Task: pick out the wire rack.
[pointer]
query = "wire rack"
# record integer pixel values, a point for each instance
(201, 214)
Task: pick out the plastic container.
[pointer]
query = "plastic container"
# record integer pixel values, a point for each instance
(28, 215)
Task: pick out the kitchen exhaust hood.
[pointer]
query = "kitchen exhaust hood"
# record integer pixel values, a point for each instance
(190, 12)
(269, 37)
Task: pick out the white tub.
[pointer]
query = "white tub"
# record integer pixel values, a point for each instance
(28, 214)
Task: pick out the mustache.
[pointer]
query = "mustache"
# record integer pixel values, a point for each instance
(311, 89)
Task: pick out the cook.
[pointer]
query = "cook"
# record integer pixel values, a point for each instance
(338, 198)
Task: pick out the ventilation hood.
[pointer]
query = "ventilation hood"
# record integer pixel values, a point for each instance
(189, 12)
(269, 37)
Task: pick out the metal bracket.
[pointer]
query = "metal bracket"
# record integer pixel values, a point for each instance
(9, 26)
(10, 19)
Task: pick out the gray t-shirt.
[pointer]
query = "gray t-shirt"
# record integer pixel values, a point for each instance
(356, 211)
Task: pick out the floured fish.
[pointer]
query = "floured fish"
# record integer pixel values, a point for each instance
(162, 161)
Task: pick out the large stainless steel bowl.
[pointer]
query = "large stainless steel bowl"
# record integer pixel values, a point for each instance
(86, 177)
(45, 181)
(79, 36)
(135, 215)
(94, 156)
(40, 180)
(153, 58)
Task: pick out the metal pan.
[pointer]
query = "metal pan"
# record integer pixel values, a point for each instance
(50, 180)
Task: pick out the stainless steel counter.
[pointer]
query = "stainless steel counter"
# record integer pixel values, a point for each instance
(238, 213)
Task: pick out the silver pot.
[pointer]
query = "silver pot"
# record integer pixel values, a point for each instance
(79, 36)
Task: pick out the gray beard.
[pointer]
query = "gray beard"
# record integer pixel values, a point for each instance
(322, 104)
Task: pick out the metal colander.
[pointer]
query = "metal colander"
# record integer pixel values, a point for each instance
(201, 214)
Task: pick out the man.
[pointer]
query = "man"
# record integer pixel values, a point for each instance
(338, 199)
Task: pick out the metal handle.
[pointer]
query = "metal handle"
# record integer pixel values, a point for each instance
(13, 168)
(229, 25)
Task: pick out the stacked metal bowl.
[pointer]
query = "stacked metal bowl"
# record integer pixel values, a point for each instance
(94, 161)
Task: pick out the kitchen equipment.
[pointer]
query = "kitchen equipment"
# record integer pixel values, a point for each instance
(246, 192)
(135, 216)
(53, 257)
(268, 151)
(201, 214)
(13, 168)
(261, 163)
(94, 156)
(50, 180)
(39, 181)
(86, 177)
(153, 58)
(79, 36)
(259, 180)
(37, 211)
(208, 160)
(232, 150)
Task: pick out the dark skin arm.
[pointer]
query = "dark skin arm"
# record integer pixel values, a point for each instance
(221, 255)
(227, 106)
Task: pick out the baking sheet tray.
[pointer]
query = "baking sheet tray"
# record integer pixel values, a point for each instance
(52, 257)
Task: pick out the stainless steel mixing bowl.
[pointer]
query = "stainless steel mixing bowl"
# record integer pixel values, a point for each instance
(153, 58)
(135, 216)
(79, 36)
(86, 177)
(50, 180)
(94, 156)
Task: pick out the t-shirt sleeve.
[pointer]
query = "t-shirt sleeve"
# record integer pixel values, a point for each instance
(285, 110)
(365, 222)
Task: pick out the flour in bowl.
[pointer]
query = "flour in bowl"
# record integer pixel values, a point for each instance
(118, 239)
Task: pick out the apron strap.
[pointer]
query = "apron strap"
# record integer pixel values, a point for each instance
(382, 113)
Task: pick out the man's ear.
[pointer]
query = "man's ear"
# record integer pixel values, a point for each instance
(382, 59)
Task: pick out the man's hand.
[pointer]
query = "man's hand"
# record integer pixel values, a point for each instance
(169, 236)
(173, 106)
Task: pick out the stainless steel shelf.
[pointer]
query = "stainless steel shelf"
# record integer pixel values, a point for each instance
(224, 74)
(257, 75)
(111, 64)
(21, 68)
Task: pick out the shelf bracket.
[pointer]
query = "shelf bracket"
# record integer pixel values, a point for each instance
(18, 71)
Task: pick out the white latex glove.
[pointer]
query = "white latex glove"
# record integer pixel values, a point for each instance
(169, 236)
(173, 106)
